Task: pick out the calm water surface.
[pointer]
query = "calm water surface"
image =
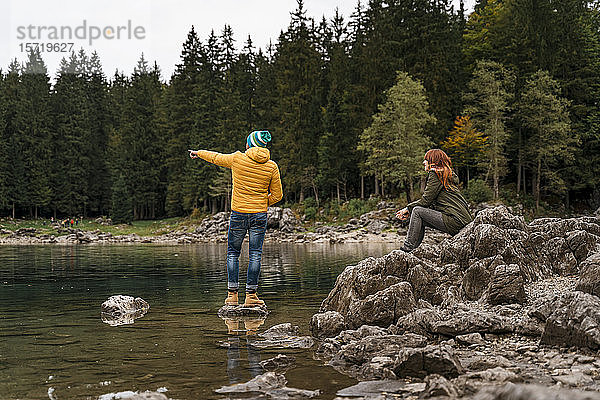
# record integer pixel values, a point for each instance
(52, 337)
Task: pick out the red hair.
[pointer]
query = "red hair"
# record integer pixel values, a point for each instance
(442, 166)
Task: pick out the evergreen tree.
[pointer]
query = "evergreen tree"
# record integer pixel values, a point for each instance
(122, 204)
(298, 67)
(15, 183)
(489, 101)
(545, 113)
(72, 125)
(33, 123)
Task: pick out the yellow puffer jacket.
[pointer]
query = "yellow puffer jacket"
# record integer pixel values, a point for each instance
(256, 180)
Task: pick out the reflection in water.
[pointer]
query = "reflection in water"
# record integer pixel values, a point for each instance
(51, 336)
(234, 361)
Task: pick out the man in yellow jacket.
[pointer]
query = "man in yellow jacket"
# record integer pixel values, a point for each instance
(256, 186)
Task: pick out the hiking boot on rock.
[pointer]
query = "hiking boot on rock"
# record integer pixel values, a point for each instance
(252, 300)
(232, 299)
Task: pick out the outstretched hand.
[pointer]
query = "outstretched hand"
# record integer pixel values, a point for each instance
(193, 153)
(402, 214)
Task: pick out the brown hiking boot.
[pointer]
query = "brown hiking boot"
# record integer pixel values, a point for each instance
(232, 299)
(252, 300)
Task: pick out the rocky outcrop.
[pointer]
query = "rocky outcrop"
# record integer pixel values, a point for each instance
(575, 321)
(433, 359)
(492, 257)
(327, 324)
(506, 285)
(477, 305)
(532, 392)
(122, 310)
(589, 277)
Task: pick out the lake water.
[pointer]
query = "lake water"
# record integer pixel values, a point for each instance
(52, 339)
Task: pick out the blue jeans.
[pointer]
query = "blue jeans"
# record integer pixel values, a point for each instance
(239, 224)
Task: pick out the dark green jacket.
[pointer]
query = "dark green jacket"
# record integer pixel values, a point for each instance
(452, 205)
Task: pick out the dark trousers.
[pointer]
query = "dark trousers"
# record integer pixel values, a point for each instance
(420, 218)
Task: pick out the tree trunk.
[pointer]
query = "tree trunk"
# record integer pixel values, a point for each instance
(13, 211)
(468, 177)
(301, 195)
(36, 212)
(538, 179)
(376, 186)
(524, 180)
(339, 199)
(362, 187)
(496, 179)
(520, 164)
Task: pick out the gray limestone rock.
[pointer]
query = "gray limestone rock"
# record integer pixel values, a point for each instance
(574, 321)
(532, 392)
(122, 310)
(589, 277)
(433, 359)
(507, 285)
(327, 324)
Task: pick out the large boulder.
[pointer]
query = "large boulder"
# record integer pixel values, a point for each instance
(368, 277)
(589, 277)
(507, 286)
(384, 307)
(574, 322)
(327, 324)
(433, 359)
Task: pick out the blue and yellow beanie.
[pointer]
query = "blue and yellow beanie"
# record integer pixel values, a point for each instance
(258, 139)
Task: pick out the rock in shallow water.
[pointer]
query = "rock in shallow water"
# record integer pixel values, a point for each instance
(242, 311)
(270, 384)
(283, 336)
(122, 310)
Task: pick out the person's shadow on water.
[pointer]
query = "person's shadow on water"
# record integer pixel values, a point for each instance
(235, 371)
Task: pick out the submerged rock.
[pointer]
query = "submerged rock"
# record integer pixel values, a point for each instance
(242, 311)
(129, 395)
(122, 310)
(279, 363)
(283, 336)
(271, 384)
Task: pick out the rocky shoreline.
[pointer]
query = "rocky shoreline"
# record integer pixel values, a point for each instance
(282, 227)
(503, 310)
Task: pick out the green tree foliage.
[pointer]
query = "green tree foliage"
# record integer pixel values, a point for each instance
(396, 142)
(64, 144)
(33, 126)
(489, 101)
(122, 204)
(546, 115)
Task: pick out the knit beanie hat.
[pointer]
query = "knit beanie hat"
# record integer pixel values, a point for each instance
(258, 138)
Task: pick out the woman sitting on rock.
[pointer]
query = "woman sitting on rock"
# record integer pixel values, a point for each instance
(442, 206)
